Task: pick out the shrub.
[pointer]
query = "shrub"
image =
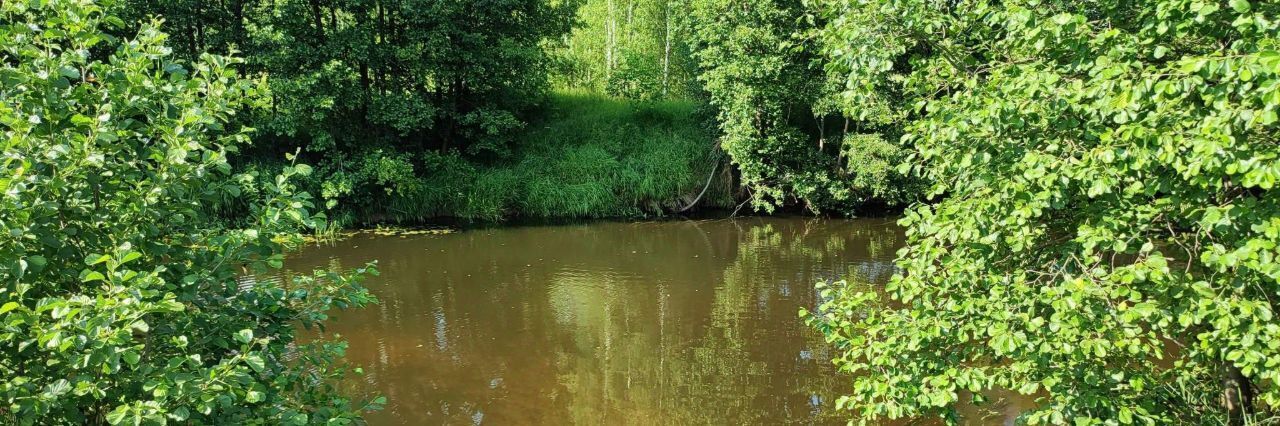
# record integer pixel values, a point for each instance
(1108, 240)
(123, 300)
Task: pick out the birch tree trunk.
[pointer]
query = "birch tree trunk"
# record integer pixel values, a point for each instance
(666, 48)
(610, 39)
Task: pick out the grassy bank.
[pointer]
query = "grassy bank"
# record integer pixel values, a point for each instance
(584, 156)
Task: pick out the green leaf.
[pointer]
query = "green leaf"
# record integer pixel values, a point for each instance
(244, 336)
(1028, 388)
(69, 72)
(180, 414)
(118, 415)
(9, 307)
(129, 257)
(131, 356)
(172, 306)
(256, 363)
(87, 276)
(59, 388)
(36, 263)
(1211, 217)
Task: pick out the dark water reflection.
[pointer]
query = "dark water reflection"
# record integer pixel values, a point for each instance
(678, 322)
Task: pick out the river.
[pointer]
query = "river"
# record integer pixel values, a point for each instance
(657, 322)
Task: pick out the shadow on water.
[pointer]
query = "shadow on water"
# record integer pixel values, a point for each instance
(671, 322)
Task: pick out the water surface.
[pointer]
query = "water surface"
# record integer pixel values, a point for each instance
(670, 322)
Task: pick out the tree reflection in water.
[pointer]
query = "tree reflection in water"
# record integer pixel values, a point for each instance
(674, 322)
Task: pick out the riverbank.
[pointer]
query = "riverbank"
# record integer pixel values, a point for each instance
(584, 156)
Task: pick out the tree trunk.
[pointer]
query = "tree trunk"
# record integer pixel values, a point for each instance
(822, 133)
(1237, 394)
(200, 18)
(318, 20)
(237, 15)
(610, 34)
(666, 49)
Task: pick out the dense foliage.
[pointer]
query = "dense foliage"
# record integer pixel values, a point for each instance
(391, 98)
(409, 75)
(636, 49)
(420, 75)
(376, 91)
(1108, 238)
(121, 298)
(784, 123)
(584, 156)
(1103, 234)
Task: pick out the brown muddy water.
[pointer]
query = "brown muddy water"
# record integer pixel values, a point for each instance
(648, 323)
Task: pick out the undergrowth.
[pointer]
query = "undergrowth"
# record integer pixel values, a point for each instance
(585, 156)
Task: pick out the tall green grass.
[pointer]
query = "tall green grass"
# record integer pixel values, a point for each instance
(585, 156)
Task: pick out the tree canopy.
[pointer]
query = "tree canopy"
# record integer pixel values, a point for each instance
(377, 91)
(793, 137)
(636, 49)
(1106, 232)
(125, 299)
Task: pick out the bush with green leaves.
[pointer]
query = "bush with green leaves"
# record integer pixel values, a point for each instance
(794, 139)
(1108, 238)
(123, 299)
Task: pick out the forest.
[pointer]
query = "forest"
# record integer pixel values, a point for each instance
(1086, 189)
